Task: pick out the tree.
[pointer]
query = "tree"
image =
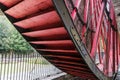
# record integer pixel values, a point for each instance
(10, 39)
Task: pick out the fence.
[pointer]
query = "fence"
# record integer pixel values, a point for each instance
(25, 67)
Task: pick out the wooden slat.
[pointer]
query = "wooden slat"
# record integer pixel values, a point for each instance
(59, 51)
(9, 3)
(46, 20)
(78, 73)
(49, 33)
(72, 67)
(81, 64)
(60, 44)
(58, 57)
(28, 7)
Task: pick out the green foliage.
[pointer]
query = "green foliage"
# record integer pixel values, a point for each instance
(10, 39)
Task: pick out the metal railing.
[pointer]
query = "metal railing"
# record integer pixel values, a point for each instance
(30, 66)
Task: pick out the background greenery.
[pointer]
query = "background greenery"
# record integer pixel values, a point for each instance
(10, 39)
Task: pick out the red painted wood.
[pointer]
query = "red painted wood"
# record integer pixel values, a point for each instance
(69, 63)
(9, 3)
(32, 7)
(59, 51)
(49, 33)
(72, 67)
(74, 70)
(78, 73)
(52, 25)
(58, 57)
(59, 44)
(41, 21)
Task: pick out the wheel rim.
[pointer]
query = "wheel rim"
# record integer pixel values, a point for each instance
(98, 33)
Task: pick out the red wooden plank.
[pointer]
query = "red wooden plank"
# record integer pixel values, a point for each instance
(69, 63)
(57, 57)
(72, 67)
(41, 21)
(49, 33)
(78, 74)
(59, 51)
(60, 44)
(77, 71)
(86, 75)
(9, 3)
(32, 6)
